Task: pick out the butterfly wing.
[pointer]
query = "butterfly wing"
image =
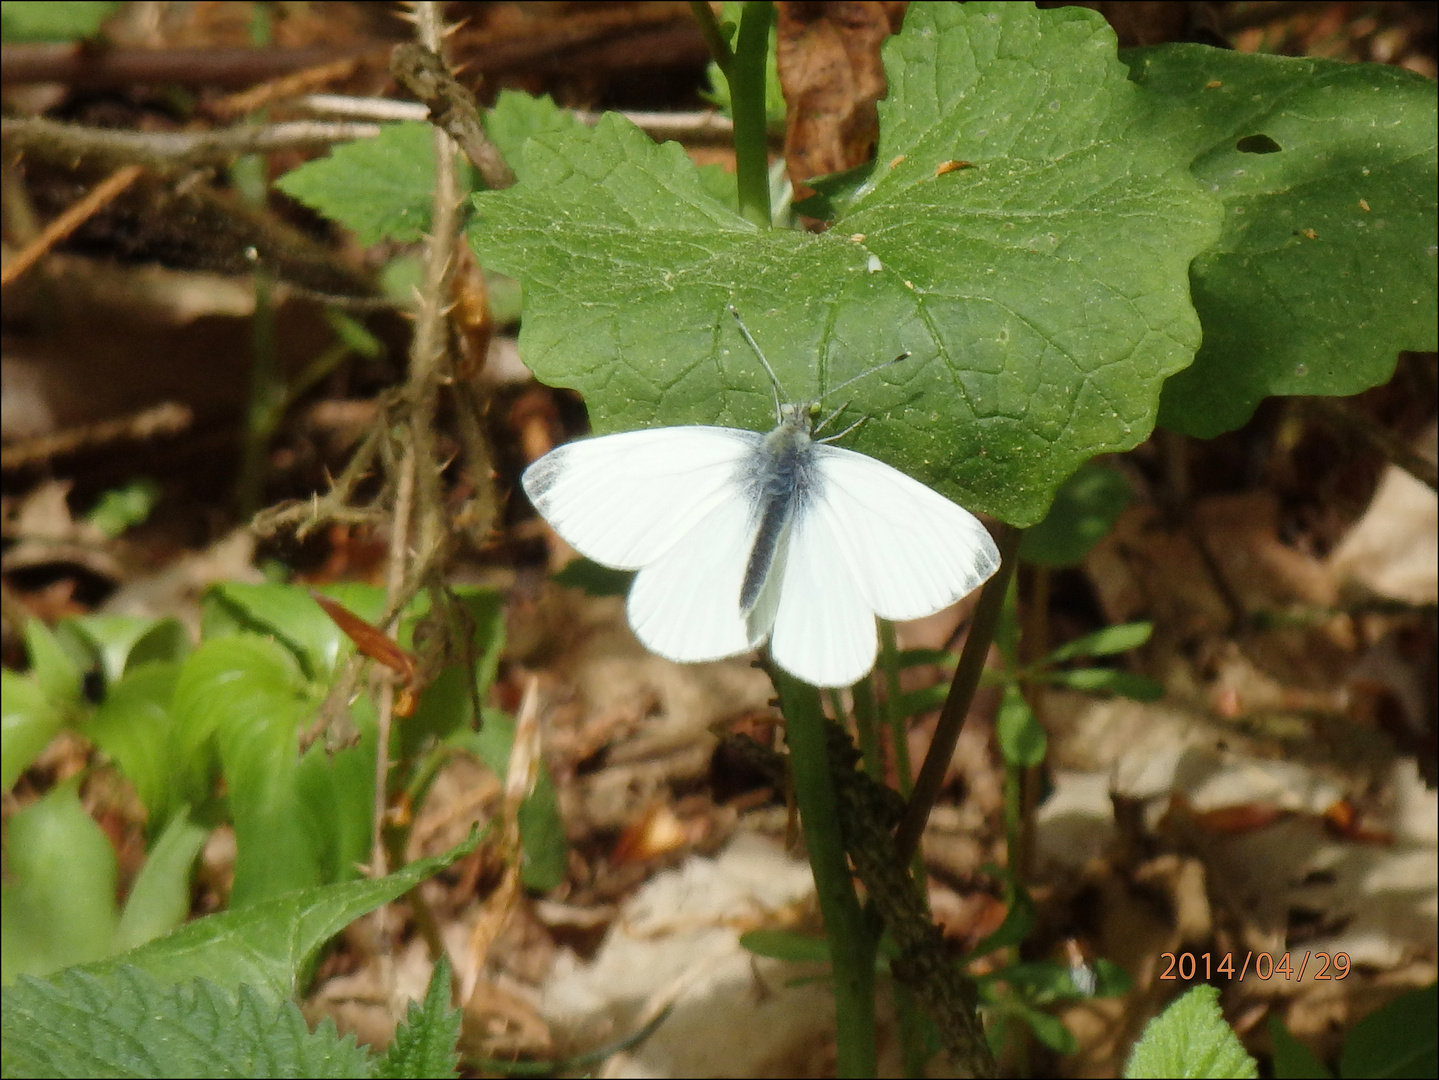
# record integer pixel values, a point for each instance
(666, 502)
(685, 605)
(624, 500)
(824, 629)
(912, 551)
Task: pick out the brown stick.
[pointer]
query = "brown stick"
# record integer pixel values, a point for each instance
(70, 220)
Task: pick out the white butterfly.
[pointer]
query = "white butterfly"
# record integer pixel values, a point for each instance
(739, 537)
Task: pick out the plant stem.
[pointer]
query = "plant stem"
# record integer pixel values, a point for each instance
(851, 942)
(714, 38)
(266, 395)
(961, 694)
(746, 88)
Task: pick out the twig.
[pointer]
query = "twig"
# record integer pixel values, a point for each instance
(171, 151)
(696, 125)
(167, 418)
(452, 108)
(287, 86)
(75, 216)
(82, 65)
(956, 705)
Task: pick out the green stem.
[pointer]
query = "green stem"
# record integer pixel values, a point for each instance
(961, 694)
(266, 394)
(851, 941)
(746, 89)
(714, 38)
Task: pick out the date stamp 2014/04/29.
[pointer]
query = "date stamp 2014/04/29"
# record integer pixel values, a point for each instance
(1188, 966)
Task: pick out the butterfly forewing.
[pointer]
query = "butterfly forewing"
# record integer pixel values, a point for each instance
(623, 500)
(912, 551)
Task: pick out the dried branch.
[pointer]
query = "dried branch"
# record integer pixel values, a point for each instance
(452, 108)
(75, 216)
(172, 151)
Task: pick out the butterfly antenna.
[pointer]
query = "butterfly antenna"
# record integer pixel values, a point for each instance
(871, 371)
(773, 378)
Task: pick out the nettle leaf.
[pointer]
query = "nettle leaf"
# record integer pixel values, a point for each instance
(270, 945)
(424, 1045)
(127, 1023)
(1023, 238)
(1191, 1039)
(382, 188)
(1326, 268)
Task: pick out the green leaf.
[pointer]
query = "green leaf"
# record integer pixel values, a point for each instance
(1022, 740)
(1108, 681)
(59, 894)
(1085, 508)
(28, 721)
(381, 188)
(424, 1044)
(51, 666)
(53, 20)
(121, 641)
(517, 117)
(120, 509)
(291, 614)
(269, 945)
(136, 727)
(593, 579)
(1326, 269)
(1106, 642)
(1019, 920)
(247, 694)
(542, 835)
(925, 699)
(1292, 1059)
(786, 945)
(1397, 1040)
(1049, 1030)
(1191, 1039)
(159, 899)
(354, 334)
(1043, 293)
(908, 658)
(130, 1024)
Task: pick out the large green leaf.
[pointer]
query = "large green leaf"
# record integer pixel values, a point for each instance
(1025, 238)
(1327, 268)
(271, 944)
(130, 1024)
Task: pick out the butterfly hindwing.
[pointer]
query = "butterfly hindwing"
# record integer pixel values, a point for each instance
(685, 605)
(824, 630)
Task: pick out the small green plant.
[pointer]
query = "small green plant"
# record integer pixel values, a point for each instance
(173, 719)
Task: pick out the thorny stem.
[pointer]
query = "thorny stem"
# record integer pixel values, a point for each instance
(961, 694)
